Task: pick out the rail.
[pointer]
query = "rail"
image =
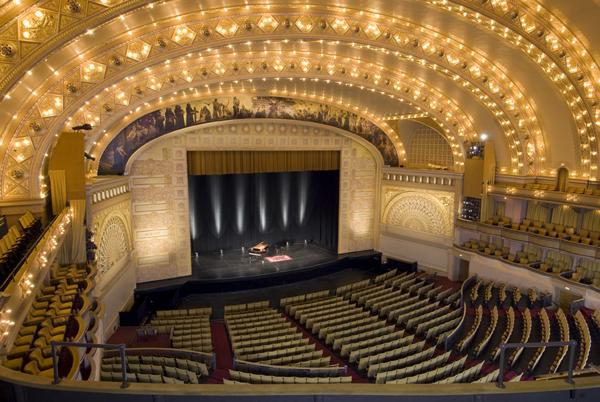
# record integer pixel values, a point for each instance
(122, 347)
(572, 344)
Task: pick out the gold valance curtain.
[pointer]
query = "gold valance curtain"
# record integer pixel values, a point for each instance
(239, 162)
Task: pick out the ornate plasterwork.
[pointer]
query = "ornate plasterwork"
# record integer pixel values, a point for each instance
(110, 222)
(159, 189)
(430, 212)
(113, 245)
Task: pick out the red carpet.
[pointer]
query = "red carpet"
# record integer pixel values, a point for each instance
(222, 350)
(128, 336)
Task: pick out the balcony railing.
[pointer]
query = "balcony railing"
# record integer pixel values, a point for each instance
(422, 177)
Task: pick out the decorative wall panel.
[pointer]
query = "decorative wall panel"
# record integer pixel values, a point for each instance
(423, 211)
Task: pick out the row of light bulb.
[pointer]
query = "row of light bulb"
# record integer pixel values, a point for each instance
(47, 112)
(156, 84)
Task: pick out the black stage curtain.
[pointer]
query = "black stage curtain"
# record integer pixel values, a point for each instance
(236, 162)
(231, 211)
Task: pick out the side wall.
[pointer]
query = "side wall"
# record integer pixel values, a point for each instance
(417, 217)
(159, 188)
(109, 219)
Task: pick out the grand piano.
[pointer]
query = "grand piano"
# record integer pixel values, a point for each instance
(259, 249)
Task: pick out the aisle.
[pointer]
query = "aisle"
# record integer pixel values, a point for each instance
(222, 351)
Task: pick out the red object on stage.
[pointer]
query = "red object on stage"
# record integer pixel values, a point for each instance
(279, 258)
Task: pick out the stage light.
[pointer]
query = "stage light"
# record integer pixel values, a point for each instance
(304, 182)
(216, 200)
(284, 181)
(240, 205)
(262, 202)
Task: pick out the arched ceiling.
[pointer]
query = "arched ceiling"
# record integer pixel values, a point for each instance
(524, 72)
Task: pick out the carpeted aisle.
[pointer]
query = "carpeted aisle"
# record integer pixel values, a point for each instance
(222, 350)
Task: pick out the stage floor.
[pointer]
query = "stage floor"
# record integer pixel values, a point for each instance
(234, 264)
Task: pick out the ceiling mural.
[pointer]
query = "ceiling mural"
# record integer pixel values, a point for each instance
(160, 122)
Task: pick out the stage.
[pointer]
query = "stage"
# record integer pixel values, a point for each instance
(212, 272)
(235, 264)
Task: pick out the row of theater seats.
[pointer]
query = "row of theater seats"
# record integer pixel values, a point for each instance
(16, 242)
(540, 321)
(585, 271)
(188, 328)
(389, 347)
(241, 377)
(552, 187)
(259, 333)
(549, 229)
(64, 310)
(269, 349)
(151, 368)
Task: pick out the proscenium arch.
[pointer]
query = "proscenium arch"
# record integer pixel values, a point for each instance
(225, 123)
(319, 136)
(93, 166)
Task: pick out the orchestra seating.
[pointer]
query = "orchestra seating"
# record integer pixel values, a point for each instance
(157, 366)
(269, 349)
(398, 328)
(188, 328)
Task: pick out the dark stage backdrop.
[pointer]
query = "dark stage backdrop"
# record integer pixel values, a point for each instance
(235, 210)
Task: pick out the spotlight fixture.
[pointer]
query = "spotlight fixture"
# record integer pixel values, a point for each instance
(88, 156)
(86, 127)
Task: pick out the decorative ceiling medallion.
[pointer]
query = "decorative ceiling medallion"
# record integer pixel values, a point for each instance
(268, 23)
(51, 105)
(138, 50)
(340, 25)
(183, 35)
(227, 27)
(372, 31)
(37, 25)
(154, 83)
(305, 23)
(92, 72)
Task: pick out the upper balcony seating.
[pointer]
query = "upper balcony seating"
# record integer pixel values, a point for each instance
(529, 254)
(552, 187)
(62, 311)
(14, 244)
(587, 272)
(555, 262)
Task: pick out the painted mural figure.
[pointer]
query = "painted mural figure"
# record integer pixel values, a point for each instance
(179, 119)
(169, 120)
(190, 115)
(163, 121)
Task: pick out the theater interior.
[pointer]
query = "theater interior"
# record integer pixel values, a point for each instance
(303, 200)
